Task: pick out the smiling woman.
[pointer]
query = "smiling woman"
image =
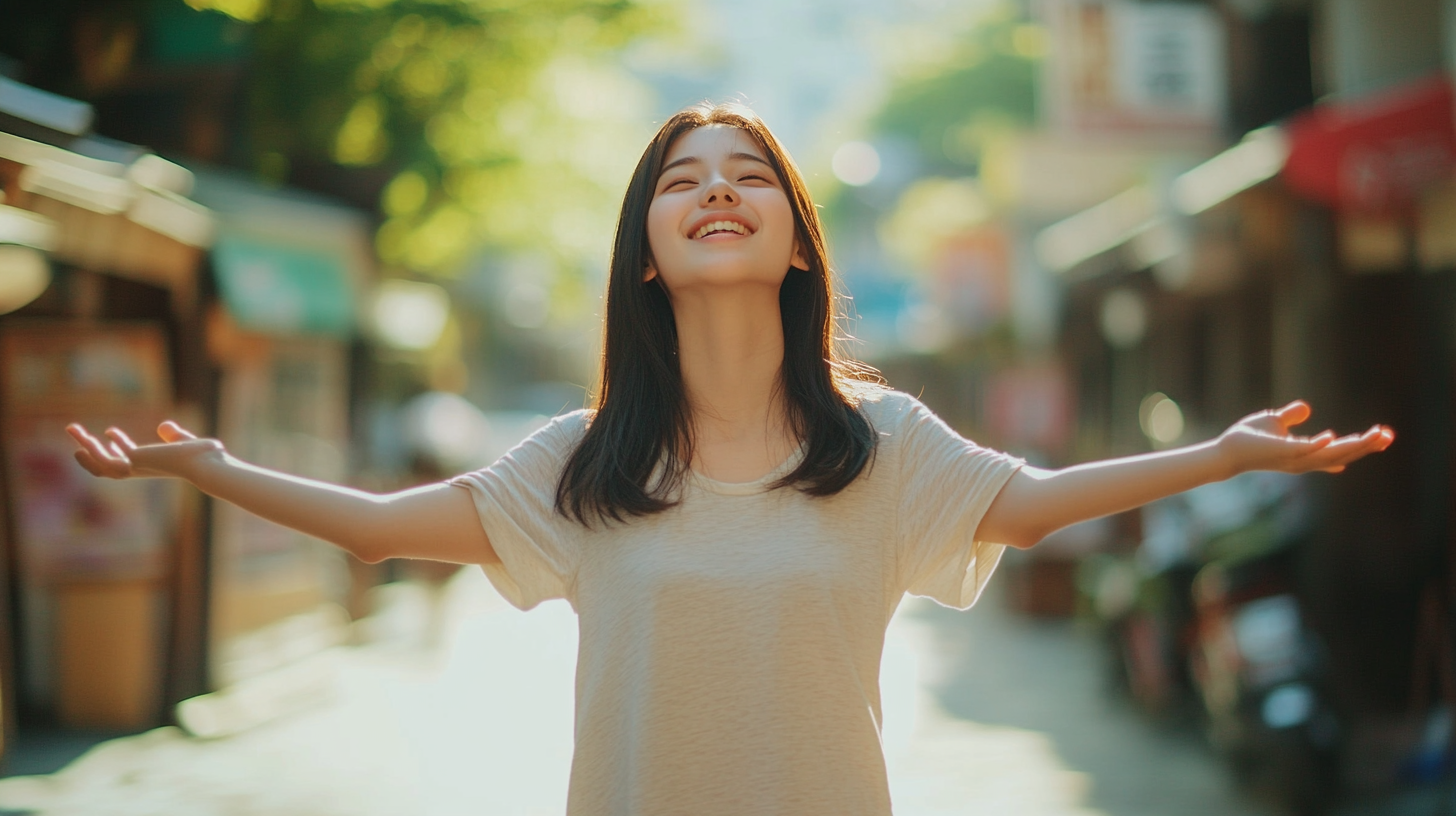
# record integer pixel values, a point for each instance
(771, 282)
(739, 514)
(716, 193)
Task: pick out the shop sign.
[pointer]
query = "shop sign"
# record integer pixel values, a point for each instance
(69, 523)
(1122, 68)
(283, 289)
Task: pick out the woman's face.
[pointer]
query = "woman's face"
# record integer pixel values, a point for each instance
(719, 215)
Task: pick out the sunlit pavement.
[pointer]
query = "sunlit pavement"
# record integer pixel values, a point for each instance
(483, 726)
(1051, 680)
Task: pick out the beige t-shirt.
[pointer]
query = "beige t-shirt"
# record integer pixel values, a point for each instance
(730, 647)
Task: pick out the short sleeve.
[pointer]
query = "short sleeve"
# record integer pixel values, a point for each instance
(946, 485)
(516, 498)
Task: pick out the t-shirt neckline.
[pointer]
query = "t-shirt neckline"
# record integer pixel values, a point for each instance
(759, 485)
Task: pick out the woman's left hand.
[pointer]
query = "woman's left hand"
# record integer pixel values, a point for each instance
(1263, 441)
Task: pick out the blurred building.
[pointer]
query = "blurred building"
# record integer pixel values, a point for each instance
(108, 331)
(134, 289)
(1311, 259)
(1127, 225)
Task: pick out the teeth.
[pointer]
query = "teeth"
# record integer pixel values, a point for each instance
(718, 226)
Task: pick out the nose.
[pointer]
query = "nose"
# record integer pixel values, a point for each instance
(719, 192)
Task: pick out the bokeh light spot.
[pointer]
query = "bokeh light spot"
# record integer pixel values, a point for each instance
(1124, 318)
(410, 315)
(856, 163)
(1161, 419)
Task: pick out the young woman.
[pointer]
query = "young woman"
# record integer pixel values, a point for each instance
(743, 509)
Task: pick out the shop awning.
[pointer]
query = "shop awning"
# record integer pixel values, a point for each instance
(1376, 154)
(115, 208)
(280, 289)
(1145, 216)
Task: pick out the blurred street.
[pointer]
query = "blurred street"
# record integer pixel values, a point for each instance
(1018, 678)
(366, 242)
(483, 726)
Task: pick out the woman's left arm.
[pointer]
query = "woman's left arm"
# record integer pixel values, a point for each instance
(1036, 502)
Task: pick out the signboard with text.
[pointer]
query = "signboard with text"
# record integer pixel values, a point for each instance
(1122, 68)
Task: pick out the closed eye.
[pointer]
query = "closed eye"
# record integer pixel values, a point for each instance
(676, 182)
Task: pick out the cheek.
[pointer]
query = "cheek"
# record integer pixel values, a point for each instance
(782, 217)
(659, 228)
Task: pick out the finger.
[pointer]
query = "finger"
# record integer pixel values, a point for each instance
(79, 433)
(172, 432)
(1306, 445)
(98, 462)
(119, 436)
(87, 461)
(91, 445)
(118, 451)
(1295, 413)
(1320, 440)
(1371, 434)
(1347, 449)
(1374, 440)
(1303, 444)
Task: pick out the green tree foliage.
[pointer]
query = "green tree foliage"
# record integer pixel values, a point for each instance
(502, 122)
(989, 82)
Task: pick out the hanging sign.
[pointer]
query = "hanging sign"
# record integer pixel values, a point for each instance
(1121, 68)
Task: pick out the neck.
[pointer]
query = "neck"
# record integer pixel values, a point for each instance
(730, 352)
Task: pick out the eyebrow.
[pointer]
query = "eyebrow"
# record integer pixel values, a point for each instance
(696, 160)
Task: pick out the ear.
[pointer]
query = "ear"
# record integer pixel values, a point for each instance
(799, 261)
(650, 273)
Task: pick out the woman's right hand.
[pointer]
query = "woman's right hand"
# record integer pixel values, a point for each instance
(438, 522)
(118, 457)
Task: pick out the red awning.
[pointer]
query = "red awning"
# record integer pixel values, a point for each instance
(1375, 154)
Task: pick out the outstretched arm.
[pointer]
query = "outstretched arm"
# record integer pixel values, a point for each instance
(1036, 502)
(436, 522)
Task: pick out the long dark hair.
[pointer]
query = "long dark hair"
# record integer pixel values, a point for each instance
(639, 444)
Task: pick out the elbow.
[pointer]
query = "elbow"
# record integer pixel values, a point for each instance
(370, 538)
(1025, 539)
(370, 550)
(368, 556)
(366, 543)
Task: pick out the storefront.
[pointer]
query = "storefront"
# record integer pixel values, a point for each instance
(1312, 260)
(143, 292)
(288, 269)
(102, 572)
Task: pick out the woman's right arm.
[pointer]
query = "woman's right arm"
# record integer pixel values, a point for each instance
(436, 522)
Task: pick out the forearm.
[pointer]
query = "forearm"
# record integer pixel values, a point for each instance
(1035, 503)
(342, 516)
(1044, 501)
(435, 521)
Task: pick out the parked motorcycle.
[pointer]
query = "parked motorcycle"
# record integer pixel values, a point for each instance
(1206, 614)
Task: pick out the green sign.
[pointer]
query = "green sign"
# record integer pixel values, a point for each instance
(283, 289)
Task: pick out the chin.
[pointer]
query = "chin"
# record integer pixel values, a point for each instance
(727, 273)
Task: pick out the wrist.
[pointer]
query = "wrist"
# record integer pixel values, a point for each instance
(1225, 462)
(203, 466)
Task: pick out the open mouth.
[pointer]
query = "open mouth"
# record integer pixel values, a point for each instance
(721, 228)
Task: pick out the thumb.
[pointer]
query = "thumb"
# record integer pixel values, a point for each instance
(170, 431)
(1294, 413)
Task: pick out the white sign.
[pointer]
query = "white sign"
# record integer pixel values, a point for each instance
(1121, 67)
